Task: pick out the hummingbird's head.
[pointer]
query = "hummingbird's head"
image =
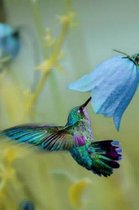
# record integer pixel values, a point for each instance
(78, 113)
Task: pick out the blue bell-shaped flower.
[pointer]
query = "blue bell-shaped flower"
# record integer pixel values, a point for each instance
(9, 44)
(112, 84)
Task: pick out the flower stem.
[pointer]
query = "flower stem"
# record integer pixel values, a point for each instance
(51, 61)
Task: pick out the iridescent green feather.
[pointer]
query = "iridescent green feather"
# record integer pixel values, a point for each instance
(51, 138)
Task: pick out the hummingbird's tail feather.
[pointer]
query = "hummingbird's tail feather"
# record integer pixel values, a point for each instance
(105, 156)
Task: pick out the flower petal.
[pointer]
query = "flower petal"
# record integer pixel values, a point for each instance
(103, 70)
(112, 97)
(82, 84)
(126, 99)
(108, 94)
(9, 41)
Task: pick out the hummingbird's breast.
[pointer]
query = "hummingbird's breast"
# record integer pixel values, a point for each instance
(82, 133)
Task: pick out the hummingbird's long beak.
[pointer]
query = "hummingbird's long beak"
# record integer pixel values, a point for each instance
(85, 104)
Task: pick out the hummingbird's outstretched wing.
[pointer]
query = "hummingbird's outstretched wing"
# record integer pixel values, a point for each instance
(51, 138)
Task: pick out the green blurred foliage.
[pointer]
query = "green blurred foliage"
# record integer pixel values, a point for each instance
(55, 181)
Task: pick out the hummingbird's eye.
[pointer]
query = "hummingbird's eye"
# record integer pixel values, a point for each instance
(80, 110)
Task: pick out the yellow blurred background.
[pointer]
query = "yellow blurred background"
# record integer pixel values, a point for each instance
(60, 41)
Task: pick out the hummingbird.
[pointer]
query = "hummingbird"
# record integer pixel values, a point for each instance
(76, 137)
